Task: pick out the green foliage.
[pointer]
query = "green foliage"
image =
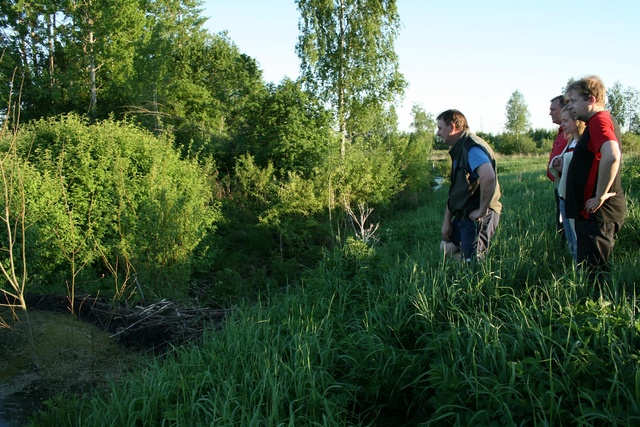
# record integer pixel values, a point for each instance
(630, 176)
(512, 144)
(107, 199)
(284, 222)
(193, 84)
(634, 125)
(518, 116)
(630, 143)
(296, 214)
(364, 175)
(348, 59)
(71, 54)
(413, 157)
(397, 335)
(289, 208)
(255, 183)
(413, 153)
(278, 222)
(289, 129)
(152, 61)
(424, 127)
(624, 105)
(543, 138)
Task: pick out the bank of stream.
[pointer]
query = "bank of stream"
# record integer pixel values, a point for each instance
(68, 356)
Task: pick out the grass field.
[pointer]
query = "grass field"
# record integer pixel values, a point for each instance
(396, 335)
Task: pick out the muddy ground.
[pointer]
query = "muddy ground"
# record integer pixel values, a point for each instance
(68, 356)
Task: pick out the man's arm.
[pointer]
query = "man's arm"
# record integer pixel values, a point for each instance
(487, 178)
(607, 171)
(446, 225)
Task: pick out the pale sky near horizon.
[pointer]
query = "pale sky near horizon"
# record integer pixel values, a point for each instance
(466, 54)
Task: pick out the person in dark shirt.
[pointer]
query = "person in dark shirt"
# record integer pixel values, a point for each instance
(594, 196)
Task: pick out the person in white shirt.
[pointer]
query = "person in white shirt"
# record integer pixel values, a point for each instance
(559, 167)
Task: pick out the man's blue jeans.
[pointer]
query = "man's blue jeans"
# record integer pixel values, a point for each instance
(473, 237)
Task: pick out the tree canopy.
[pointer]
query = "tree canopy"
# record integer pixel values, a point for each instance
(348, 60)
(624, 105)
(518, 116)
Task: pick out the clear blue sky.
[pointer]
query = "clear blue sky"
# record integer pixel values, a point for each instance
(467, 54)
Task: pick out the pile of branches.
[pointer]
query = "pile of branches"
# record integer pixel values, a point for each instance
(151, 327)
(156, 325)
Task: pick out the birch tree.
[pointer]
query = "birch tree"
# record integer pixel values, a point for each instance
(518, 116)
(348, 59)
(67, 53)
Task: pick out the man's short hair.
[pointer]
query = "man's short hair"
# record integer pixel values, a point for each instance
(588, 87)
(561, 100)
(455, 117)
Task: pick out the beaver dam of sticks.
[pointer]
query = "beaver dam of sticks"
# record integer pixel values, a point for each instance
(74, 353)
(151, 327)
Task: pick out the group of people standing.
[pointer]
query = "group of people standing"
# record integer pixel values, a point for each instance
(584, 165)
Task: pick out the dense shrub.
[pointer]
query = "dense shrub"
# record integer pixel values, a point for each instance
(511, 144)
(630, 143)
(283, 222)
(109, 200)
(364, 175)
(413, 156)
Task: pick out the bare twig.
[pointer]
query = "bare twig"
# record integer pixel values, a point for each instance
(365, 233)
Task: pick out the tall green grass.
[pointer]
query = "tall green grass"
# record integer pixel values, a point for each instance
(397, 335)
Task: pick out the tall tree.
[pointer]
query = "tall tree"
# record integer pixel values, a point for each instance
(103, 41)
(624, 104)
(347, 56)
(67, 52)
(189, 82)
(518, 116)
(415, 156)
(634, 125)
(615, 102)
(423, 125)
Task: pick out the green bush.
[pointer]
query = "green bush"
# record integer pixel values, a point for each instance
(508, 144)
(107, 200)
(364, 175)
(413, 156)
(278, 221)
(630, 143)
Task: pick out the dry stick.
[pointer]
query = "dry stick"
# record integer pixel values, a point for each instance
(182, 323)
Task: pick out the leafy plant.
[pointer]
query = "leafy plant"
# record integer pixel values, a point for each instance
(110, 197)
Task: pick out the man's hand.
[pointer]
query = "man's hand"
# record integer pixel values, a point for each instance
(478, 214)
(446, 231)
(594, 204)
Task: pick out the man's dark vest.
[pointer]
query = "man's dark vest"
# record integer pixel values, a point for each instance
(464, 192)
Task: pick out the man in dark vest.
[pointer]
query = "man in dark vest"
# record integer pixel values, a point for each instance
(594, 195)
(473, 207)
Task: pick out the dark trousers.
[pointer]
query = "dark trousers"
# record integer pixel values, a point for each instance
(595, 242)
(473, 237)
